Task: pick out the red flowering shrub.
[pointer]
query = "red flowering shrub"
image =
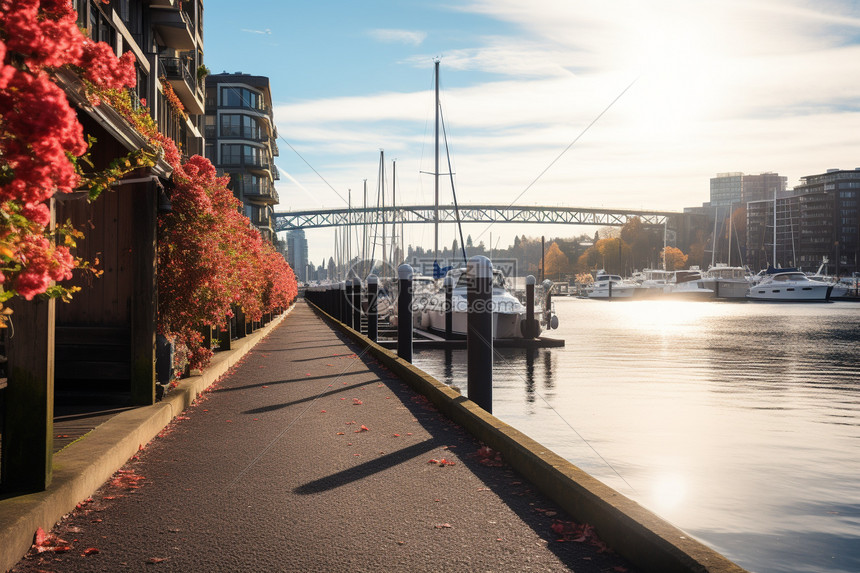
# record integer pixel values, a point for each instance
(210, 257)
(40, 137)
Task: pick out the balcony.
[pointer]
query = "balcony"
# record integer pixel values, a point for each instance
(274, 143)
(174, 26)
(260, 218)
(183, 80)
(261, 193)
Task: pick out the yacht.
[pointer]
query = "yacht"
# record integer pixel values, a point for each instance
(654, 282)
(726, 281)
(689, 285)
(607, 286)
(508, 313)
(789, 285)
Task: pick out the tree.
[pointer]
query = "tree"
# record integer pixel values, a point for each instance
(675, 258)
(555, 262)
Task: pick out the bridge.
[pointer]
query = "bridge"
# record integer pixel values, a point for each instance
(468, 214)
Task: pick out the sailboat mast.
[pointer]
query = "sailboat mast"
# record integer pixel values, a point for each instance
(774, 228)
(349, 226)
(382, 193)
(394, 212)
(731, 212)
(365, 270)
(436, 171)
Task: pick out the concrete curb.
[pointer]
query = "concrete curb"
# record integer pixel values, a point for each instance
(83, 466)
(647, 540)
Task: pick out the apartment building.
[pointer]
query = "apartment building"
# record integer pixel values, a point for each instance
(241, 141)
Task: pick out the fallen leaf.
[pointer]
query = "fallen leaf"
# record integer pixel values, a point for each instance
(157, 559)
(90, 551)
(340, 433)
(443, 526)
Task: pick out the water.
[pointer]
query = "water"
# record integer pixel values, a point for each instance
(737, 422)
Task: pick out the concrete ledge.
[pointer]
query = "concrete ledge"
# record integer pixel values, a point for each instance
(83, 466)
(647, 540)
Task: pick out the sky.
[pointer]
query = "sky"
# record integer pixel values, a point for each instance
(649, 99)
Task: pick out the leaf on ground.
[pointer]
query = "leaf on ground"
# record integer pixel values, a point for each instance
(443, 526)
(157, 559)
(363, 428)
(90, 551)
(340, 433)
(357, 402)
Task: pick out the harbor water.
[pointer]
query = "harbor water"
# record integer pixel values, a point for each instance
(737, 422)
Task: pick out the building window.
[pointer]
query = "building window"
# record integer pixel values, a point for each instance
(231, 154)
(240, 97)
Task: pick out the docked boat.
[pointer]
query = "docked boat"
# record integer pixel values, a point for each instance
(607, 286)
(789, 285)
(508, 312)
(654, 282)
(840, 289)
(726, 281)
(689, 285)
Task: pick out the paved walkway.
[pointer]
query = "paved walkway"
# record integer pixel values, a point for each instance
(310, 456)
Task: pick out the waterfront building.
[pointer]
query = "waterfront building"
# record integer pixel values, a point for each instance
(766, 247)
(729, 189)
(241, 142)
(101, 344)
(817, 220)
(297, 253)
(831, 219)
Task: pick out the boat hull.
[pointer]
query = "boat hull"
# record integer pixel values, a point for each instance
(783, 293)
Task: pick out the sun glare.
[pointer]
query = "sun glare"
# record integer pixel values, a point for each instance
(668, 492)
(675, 55)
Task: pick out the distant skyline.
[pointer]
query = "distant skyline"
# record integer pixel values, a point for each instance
(714, 86)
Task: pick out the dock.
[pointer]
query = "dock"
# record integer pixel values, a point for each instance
(321, 451)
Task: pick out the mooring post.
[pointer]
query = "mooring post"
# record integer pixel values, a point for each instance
(341, 315)
(372, 319)
(529, 329)
(404, 312)
(356, 304)
(449, 307)
(347, 311)
(479, 333)
(547, 305)
(610, 287)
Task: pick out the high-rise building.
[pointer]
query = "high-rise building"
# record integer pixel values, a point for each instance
(833, 220)
(738, 189)
(297, 253)
(241, 141)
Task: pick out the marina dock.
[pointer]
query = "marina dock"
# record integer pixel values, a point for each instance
(319, 451)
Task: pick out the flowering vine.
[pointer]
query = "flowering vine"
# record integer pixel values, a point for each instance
(41, 141)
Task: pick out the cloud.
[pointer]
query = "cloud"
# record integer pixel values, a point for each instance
(724, 86)
(391, 36)
(266, 32)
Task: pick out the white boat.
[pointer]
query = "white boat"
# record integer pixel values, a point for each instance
(840, 289)
(654, 282)
(789, 285)
(508, 312)
(689, 285)
(726, 281)
(607, 286)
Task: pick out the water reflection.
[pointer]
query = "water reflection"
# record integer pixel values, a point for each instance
(740, 423)
(531, 354)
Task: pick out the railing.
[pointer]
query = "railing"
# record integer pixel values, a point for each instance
(176, 68)
(261, 190)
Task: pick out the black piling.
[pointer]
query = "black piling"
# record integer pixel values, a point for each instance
(372, 317)
(404, 312)
(449, 307)
(479, 333)
(356, 304)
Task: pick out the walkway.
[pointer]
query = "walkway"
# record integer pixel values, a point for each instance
(309, 456)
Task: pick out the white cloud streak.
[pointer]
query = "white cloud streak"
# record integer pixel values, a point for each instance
(388, 36)
(724, 86)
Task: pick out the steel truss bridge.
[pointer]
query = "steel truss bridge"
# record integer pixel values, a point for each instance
(470, 214)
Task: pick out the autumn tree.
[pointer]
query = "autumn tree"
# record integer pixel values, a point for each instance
(555, 262)
(675, 258)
